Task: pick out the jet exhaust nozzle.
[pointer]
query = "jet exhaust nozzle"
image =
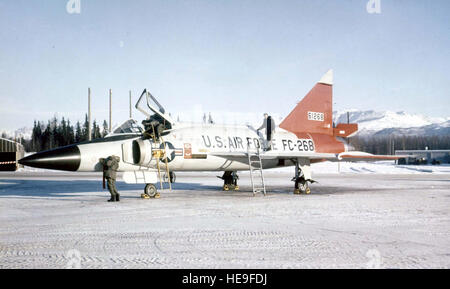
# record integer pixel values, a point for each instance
(66, 158)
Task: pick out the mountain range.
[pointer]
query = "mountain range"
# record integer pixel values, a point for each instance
(384, 123)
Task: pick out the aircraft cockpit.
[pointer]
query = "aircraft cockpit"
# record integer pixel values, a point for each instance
(129, 127)
(156, 124)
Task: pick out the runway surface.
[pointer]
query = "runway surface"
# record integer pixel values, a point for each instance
(61, 220)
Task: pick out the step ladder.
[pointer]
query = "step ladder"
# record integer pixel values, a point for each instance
(256, 172)
(159, 153)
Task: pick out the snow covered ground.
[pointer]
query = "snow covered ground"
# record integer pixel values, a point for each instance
(358, 218)
(384, 167)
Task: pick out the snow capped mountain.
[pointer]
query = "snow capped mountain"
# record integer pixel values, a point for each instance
(393, 123)
(436, 129)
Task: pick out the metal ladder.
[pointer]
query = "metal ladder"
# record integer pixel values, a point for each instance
(256, 172)
(159, 153)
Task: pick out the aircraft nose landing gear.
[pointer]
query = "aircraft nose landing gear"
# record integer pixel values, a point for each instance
(230, 181)
(150, 191)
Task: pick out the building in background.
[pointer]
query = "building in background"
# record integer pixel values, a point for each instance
(10, 153)
(424, 157)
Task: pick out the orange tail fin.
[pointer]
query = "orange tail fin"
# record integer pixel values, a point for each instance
(314, 113)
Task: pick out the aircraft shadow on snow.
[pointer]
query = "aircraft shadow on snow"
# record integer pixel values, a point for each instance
(73, 188)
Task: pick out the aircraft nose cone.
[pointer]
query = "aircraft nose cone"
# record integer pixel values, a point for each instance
(66, 158)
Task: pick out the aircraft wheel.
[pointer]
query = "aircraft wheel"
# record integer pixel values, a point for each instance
(226, 187)
(301, 187)
(151, 191)
(236, 188)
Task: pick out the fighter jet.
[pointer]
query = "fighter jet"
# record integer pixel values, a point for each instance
(306, 136)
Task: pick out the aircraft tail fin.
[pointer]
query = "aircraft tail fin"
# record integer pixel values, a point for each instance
(314, 113)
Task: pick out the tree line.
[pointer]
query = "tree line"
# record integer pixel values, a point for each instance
(57, 133)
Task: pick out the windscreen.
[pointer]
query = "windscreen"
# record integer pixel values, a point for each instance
(130, 126)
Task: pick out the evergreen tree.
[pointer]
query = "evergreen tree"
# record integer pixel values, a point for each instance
(40, 137)
(95, 130)
(54, 133)
(85, 134)
(210, 120)
(36, 138)
(78, 132)
(70, 135)
(63, 135)
(105, 129)
(46, 137)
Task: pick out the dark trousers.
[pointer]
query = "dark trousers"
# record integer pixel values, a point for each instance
(112, 187)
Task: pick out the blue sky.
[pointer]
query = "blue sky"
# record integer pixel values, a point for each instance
(238, 56)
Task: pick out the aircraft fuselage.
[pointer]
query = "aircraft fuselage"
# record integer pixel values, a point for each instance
(188, 148)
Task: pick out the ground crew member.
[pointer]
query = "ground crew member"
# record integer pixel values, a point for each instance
(269, 125)
(110, 166)
(154, 126)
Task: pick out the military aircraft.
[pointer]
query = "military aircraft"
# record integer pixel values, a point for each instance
(306, 136)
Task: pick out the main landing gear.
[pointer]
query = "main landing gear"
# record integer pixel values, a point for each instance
(171, 176)
(230, 181)
(150, 192)
(301, 184)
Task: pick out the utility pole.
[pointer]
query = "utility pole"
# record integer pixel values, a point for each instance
(130, 105)
(110, 106)
(89, 114)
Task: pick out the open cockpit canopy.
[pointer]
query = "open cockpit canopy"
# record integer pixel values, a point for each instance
(154, 106)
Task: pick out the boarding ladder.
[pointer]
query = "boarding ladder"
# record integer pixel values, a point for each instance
(256, 171)
(159, 153)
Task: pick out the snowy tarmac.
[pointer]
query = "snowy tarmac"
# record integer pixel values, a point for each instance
(351, 220)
